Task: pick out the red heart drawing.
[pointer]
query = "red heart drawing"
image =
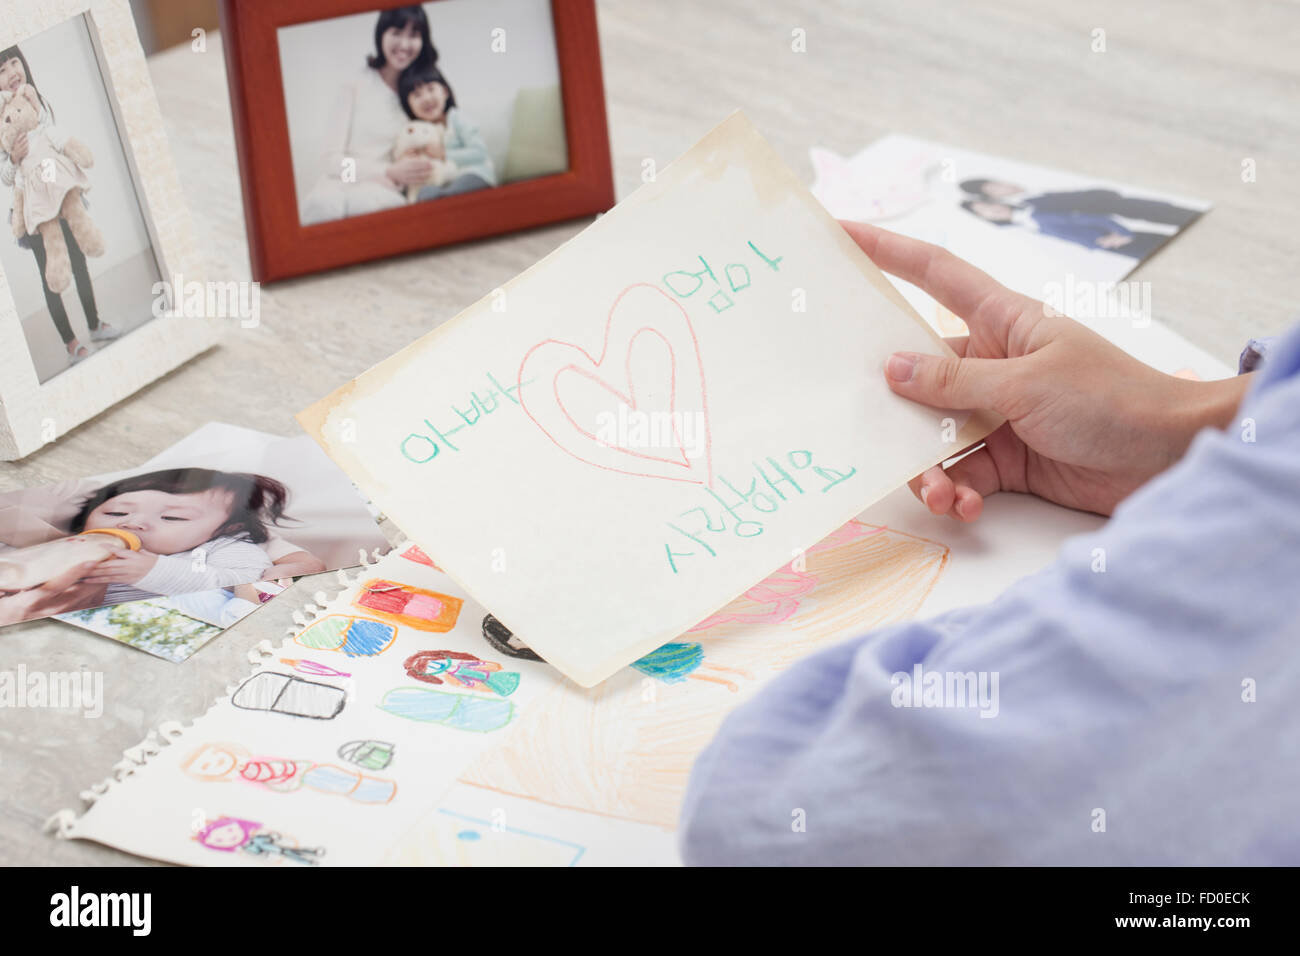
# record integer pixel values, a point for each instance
(639, 310)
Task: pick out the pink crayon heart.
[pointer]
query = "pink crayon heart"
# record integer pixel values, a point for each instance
(554, 369)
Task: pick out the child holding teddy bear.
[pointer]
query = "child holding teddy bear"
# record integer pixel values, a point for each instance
(46, 171)
(439, 131)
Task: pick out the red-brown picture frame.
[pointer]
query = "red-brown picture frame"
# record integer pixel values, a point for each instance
(280, 246)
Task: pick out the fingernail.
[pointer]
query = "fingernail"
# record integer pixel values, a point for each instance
(925, 494)
(900, 366)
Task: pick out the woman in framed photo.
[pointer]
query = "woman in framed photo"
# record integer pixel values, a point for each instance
(359, 174)
(15, 76)
(336, 176)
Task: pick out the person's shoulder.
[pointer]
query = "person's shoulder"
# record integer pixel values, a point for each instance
(457, 120)
(360, 77)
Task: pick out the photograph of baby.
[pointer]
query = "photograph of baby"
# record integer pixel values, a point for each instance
(1025, 225)
(420, 102)
(174, 628)
(76, 220)
(224, 508)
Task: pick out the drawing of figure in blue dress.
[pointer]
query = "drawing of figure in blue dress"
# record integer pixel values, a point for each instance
(461, 670)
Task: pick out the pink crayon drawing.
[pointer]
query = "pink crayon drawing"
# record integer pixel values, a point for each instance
(304, 666)
(416, 553)
(873, 192)
(777, 597)
(639, 310)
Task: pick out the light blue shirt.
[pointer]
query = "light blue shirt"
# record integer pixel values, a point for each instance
(1147, 713)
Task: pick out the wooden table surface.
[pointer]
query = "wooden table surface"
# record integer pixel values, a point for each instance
(1186, 90)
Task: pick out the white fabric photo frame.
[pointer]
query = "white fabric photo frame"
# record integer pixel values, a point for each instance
(32, 413)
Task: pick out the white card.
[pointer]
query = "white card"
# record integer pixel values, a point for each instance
(653, 418)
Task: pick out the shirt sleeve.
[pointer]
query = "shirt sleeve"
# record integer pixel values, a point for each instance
(1141, 707)
(226, 562)
(468, 148)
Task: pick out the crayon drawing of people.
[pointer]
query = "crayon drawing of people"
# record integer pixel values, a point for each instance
(461, 670)
(231, 834)
(220, 762)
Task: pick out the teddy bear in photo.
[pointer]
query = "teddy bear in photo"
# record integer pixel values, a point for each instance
(418, 138)
(49, 185)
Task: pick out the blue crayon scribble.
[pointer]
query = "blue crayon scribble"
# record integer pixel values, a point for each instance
(459, 711)
(672, 662)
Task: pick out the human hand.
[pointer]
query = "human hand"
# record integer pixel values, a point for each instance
(67, 592)
(411, 170)
(1087, 423)
(18, 149)
(295, 564)
(1113, 240)
(125, 567)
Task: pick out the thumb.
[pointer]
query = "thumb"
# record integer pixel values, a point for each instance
(949, 382)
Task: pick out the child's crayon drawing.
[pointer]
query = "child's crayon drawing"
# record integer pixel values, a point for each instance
(780, 595)
(447, 838)
(458, 711)
(671, 663)
(504, 641)
(286, 694)
(353, 636)
(233, 834)
(221, 762)
(458, 669)
(409, 606)
(625, 747)
(676, 662)
(640, 311)
(369, 754)
(304, 666)
(416, 553)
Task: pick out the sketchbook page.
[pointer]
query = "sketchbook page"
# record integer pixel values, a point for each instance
(596, 776)
(471, 826)
(347, 732)
(654, 417)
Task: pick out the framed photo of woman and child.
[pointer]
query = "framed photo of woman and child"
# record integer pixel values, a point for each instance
(367, 129)
(96, 222)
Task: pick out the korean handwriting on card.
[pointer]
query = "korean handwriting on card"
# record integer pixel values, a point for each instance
(742, 514)
(424, 446)
(684, 283)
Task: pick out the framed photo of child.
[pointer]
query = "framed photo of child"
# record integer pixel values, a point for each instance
(368, 128)
(95, 225)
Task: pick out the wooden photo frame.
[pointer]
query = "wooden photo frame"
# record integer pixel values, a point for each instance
(284, 240)
(112, 303)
